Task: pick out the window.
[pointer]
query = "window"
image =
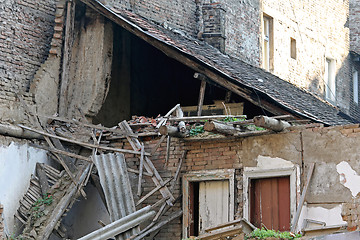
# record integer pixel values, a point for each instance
(293, 48)
(355, 85)
(330, 84)
(208, 200)
(267, 42)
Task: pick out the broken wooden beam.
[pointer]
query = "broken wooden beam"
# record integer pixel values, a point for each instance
(152, 192)
(302, 199)
(201, 97)
(199, 118)
(44, 185)
(223, 128)
(160, 224)
(171, 131)
(271, 123)
(87, 145)
(63, 204)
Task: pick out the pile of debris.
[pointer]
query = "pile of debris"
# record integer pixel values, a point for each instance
(84, 150)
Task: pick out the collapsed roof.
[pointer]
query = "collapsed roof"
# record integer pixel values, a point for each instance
(254, 84)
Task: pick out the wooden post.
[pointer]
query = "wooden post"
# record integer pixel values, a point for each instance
(302, 199)
(68, 41)
(201, 97)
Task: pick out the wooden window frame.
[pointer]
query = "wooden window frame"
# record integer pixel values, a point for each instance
(330, 79)
(268, 53)
(201, 176)
(257, 173)
(355, 80)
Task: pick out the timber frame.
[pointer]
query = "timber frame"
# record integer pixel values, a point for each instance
(206, 175)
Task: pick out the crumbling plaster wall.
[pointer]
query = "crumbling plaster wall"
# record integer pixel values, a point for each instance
(17, 164)
(90, 68)
(321, 31)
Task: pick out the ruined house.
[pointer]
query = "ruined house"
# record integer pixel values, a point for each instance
(107, 61)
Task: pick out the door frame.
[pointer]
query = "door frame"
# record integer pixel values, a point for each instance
(206, 175)
(256, 173)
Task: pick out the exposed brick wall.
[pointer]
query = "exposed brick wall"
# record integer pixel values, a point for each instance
(26, 29)
(351, 214)
(354, 21)
(174, 14)
(1, 223)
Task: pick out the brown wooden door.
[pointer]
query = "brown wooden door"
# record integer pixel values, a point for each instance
(270, 203)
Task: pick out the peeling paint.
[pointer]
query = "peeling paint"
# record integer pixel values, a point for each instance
(348, 177)
(331, 216)
(270, 163)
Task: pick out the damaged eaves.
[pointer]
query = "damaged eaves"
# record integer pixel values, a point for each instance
(257, 86)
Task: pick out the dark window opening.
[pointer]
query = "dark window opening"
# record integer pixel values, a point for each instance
(194, 208)
(293, 48)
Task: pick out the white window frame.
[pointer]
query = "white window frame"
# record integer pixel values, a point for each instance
(266, 42)
(355, 77)
(207, 175)
(330, 80)
(258, 173)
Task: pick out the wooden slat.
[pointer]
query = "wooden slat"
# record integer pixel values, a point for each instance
(201, 97)
(302, 199)
(87, 145)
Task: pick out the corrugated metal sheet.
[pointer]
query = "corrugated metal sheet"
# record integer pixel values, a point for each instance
(121, 225)
(115, 182)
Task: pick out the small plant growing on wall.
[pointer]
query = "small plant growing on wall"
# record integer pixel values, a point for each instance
(271, 234)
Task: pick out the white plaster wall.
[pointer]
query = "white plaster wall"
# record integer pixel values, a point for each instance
(17, 163)
(331, 216)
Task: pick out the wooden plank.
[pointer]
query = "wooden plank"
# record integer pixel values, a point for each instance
(73, 155)
(229, 232)
(163, 121)
(42, 179)
(158, 144)
(60, 208)
(149, 166)
(87, 145)
(198, 118)
(137, 172)
(168, 143)
(141, 166)
(227, 224)
(35, 121)
(66, 60)
(82, 124)
(302, 199)
(201, 97)
(152, 192)
(284, 203)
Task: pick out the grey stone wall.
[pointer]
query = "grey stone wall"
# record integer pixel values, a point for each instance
(354, 21)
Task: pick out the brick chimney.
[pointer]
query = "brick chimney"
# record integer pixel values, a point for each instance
(212, 25)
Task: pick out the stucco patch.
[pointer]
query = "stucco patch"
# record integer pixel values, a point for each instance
(271, 163)
(348, 177)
